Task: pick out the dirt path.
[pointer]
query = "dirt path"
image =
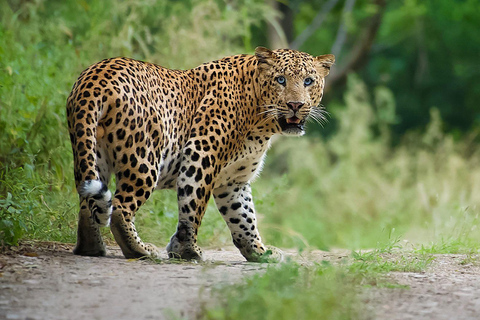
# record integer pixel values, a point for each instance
(448, 289)
(48, 282)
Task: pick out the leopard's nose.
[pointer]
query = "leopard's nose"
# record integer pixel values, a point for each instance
(295, 106)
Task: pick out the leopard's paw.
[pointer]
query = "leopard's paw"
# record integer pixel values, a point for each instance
(184, 251)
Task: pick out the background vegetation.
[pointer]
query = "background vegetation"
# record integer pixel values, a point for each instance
(398, 162)
(400, 152)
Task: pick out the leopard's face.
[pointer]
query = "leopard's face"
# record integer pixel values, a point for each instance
(291, 87)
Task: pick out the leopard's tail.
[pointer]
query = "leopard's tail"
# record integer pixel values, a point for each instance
(99, 200)
(84, 111)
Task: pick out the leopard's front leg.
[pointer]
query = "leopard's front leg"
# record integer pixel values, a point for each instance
(234, 201)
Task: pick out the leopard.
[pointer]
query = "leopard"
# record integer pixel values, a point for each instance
(202, 132)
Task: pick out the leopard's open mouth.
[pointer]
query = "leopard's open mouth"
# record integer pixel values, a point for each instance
(292, 120)
(292, 125)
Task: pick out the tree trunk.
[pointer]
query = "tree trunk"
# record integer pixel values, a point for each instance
(280, 28)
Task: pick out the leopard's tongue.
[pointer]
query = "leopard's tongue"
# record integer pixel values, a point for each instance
(293, 120)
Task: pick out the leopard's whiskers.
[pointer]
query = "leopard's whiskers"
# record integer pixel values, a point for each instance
(319, 115)
(269, 114)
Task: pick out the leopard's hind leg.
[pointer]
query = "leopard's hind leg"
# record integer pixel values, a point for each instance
(130, 195)
(95, 210)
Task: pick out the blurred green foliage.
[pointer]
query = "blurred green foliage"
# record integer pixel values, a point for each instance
(425, 52)
(352, 188)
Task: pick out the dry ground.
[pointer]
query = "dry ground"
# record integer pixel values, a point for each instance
(46, 281)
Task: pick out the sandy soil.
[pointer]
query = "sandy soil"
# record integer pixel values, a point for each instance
(46, 281)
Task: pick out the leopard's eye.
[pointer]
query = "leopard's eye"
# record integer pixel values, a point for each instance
(281, 80)
(308, 81)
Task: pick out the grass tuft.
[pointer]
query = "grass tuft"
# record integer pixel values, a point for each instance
(287, 291)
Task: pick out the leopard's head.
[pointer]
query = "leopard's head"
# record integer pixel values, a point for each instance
(291, 87)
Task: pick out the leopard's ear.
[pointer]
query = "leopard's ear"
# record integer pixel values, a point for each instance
(264, 56)
(324, 63)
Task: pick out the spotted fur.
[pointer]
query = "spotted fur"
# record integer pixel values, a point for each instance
(201, 131)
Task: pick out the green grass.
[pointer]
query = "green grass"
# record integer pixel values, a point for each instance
(454, 245)
(326, 290)
(375, 263)
(288, 291)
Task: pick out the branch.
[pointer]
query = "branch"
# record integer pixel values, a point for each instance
(342, 30)
(316, 23)
(359, 54)
(277, 37)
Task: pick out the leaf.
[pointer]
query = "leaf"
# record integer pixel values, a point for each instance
(31, 254)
